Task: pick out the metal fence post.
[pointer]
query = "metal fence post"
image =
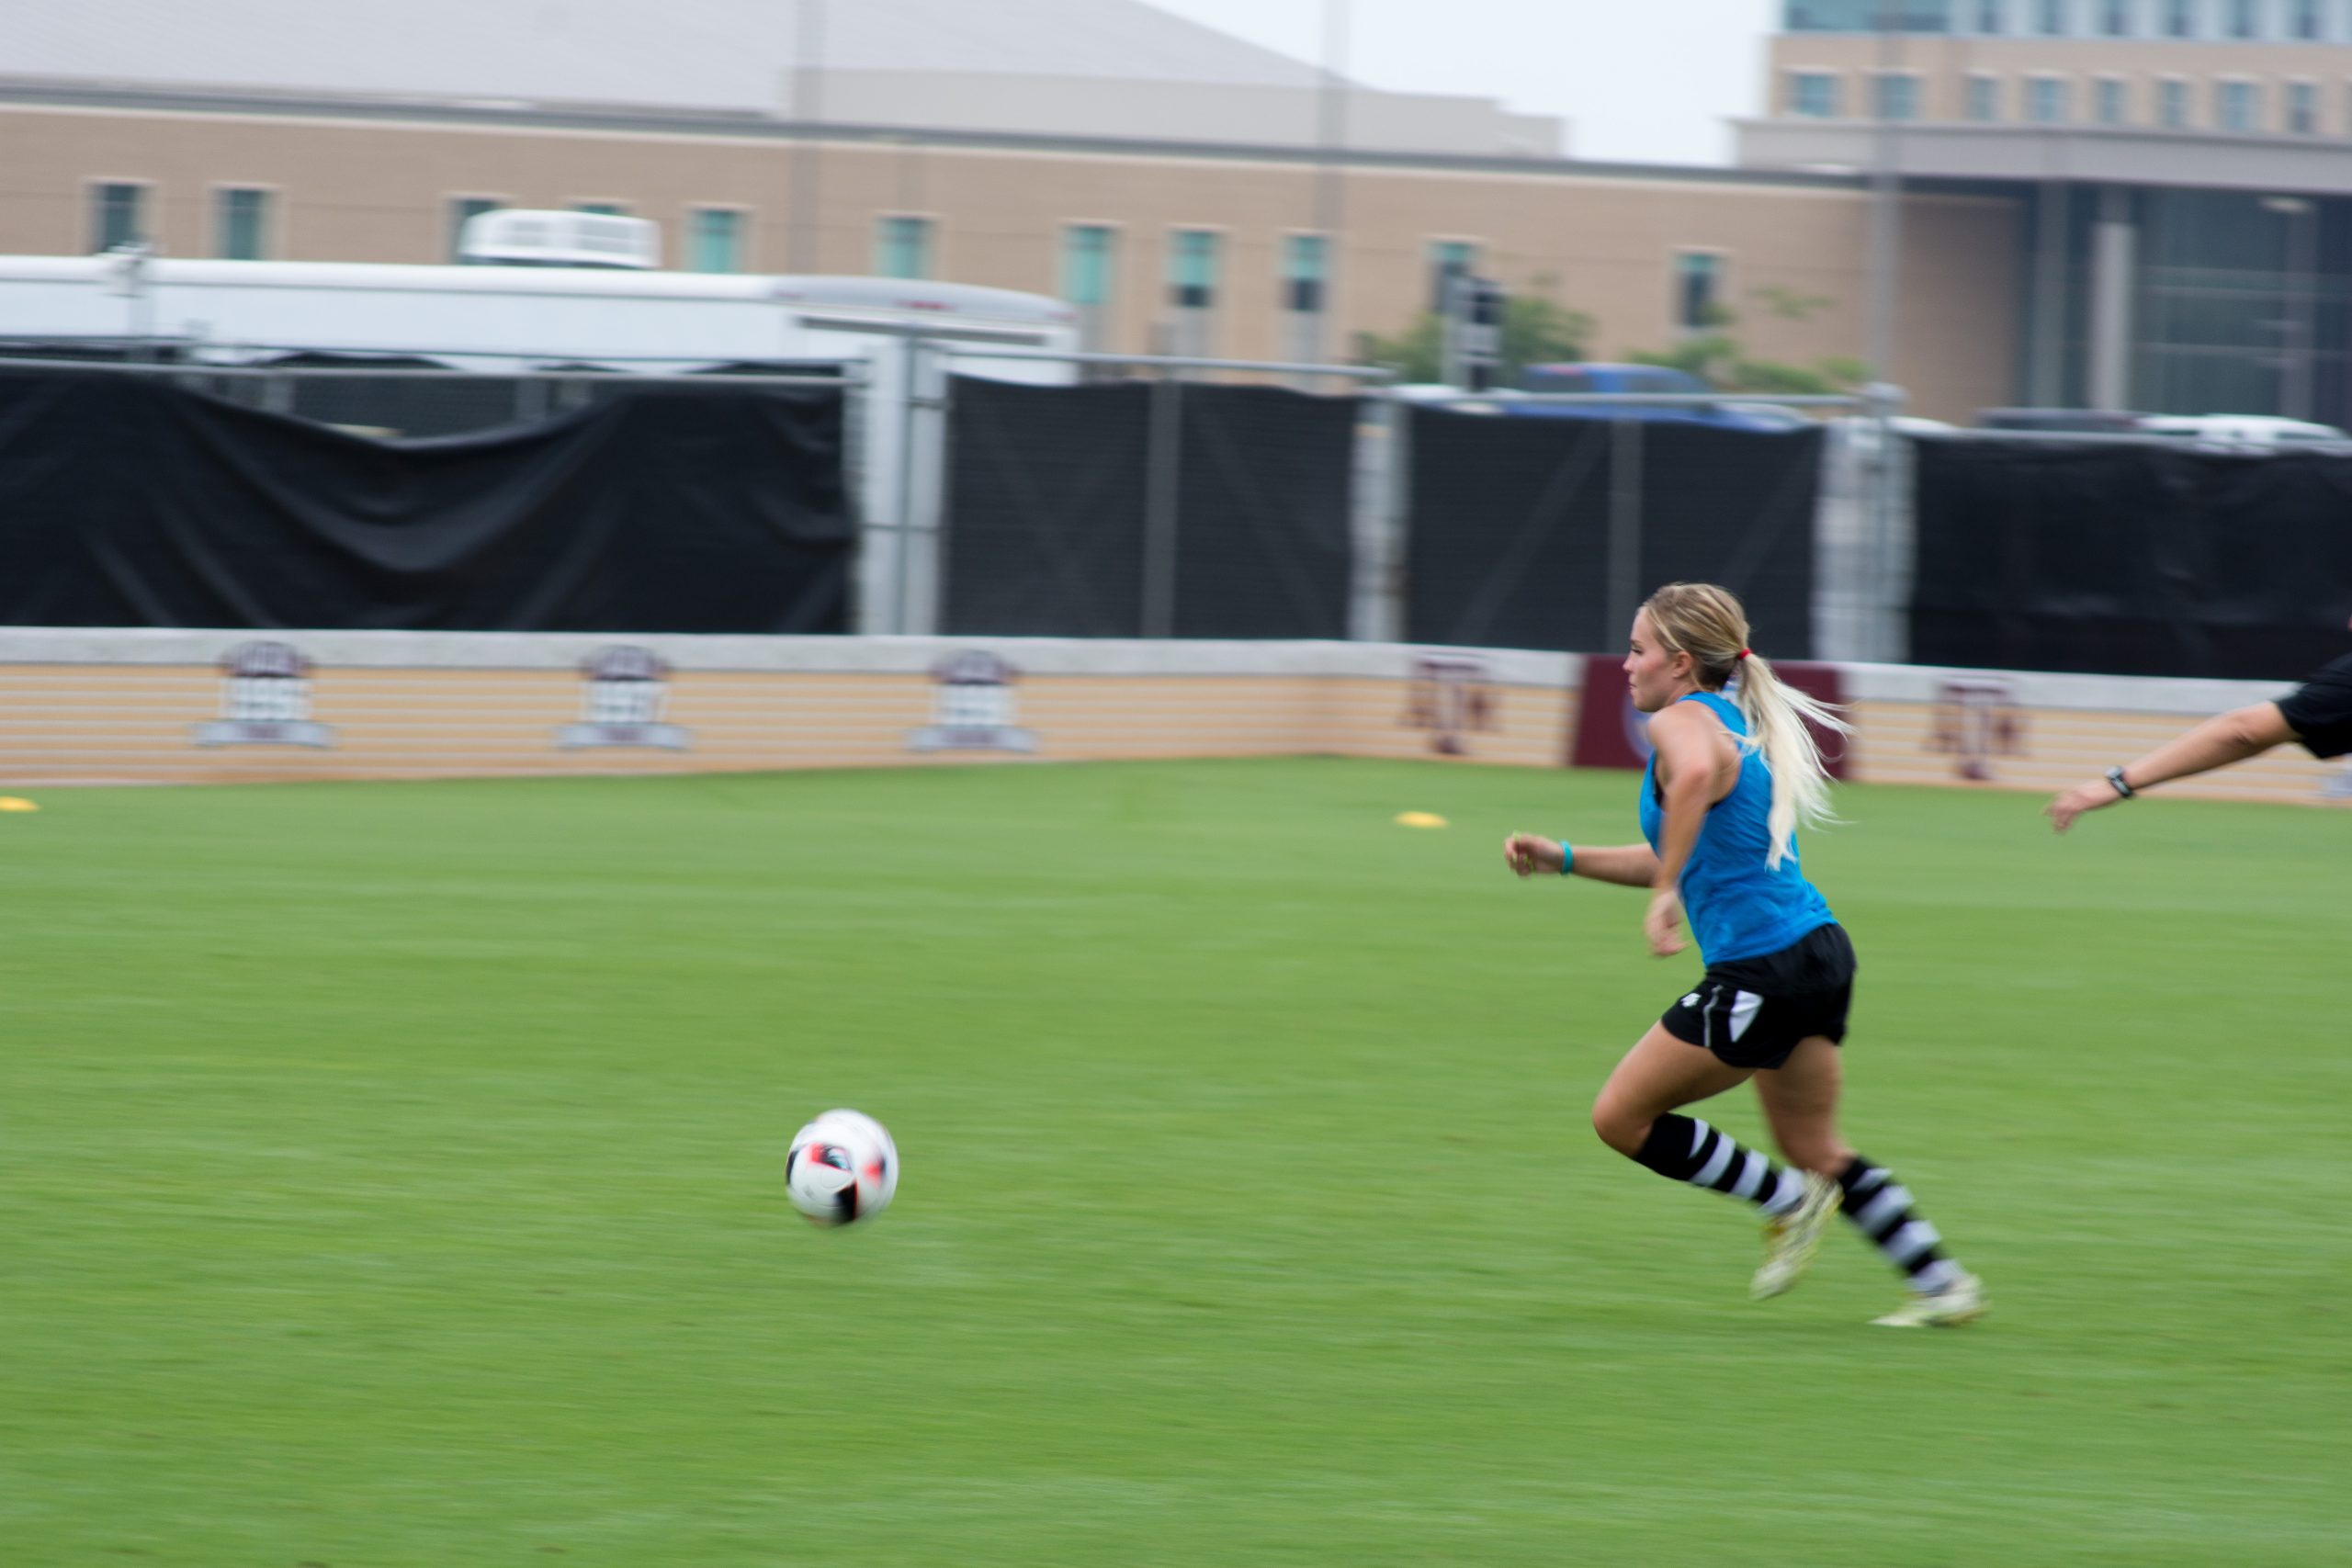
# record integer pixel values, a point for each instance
(1377, 520)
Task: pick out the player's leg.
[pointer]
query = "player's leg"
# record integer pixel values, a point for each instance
(1636, 1115)
(1799, 1102)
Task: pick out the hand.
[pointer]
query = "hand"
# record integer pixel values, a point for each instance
(2063, 808)
(1526, 853)
(1663, 924)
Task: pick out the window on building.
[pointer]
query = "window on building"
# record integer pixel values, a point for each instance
(2302, 107)
(2111, 102)
(715, 240)
(2045, 100)
(2181, 18)
(2115, 18)
(1898, 94)
(462, 209)
(2233, 106)
(902, 247)
(1983, 98)
(241, 225)
(117, 215)
(2049, 17)
(1990, 18)
(1449, 259)
(604, 209)
(2172, 104)
(1305, 265)
(2242, 20)
(1813, 94)
(1192, 269)
(1866, 16)
(1090, 255)
(1698, 290)
(2305, 21)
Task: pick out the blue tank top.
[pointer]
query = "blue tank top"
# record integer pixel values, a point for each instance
(1737, 906)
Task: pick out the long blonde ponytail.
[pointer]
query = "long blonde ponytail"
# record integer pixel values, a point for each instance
(1709, 625)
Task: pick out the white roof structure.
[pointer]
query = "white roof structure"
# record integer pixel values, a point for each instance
(1073, 67)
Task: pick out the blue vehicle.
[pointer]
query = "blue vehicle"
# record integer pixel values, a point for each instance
(1590, 379)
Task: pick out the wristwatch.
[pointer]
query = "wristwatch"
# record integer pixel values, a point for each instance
(2122, 786)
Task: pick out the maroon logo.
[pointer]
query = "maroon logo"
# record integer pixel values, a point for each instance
(1977, 721)
(621, 701)
(264, 700)
(1610, 732)
(972, 707)
(1450, 696)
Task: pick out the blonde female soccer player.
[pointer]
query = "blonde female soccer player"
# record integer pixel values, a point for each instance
(1728, 781)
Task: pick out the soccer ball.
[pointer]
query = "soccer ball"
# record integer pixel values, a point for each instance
(842, 1168)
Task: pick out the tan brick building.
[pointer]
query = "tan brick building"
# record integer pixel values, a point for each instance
(1289, 215)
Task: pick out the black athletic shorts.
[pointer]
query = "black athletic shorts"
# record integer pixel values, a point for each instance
(1752, 1012)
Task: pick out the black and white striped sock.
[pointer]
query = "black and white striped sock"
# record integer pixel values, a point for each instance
(1879, 1207)
(1685, 1149)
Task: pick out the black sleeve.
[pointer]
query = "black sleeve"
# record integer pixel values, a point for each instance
(2320, 710)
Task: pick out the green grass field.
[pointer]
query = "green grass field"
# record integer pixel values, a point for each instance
(389, 1175)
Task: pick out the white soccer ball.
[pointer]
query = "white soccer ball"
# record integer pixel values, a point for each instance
(842, 1168)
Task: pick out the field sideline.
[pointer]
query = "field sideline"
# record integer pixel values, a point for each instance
(390, 1179)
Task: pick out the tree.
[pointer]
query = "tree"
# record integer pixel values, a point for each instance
(1535, 331)
(1714, 356)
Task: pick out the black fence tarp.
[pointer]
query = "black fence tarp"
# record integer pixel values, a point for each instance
(127, 502)
(2130, 559)
(1510, 534)
(1048, 490)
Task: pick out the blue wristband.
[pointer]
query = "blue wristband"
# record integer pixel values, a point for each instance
(1567, 859)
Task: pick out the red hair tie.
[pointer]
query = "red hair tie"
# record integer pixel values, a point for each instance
(1745, 652)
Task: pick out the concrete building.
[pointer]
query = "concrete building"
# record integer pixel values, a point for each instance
(1186, 190)
(2179, 172)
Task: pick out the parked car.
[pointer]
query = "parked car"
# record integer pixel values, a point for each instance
(2062, 422)
(1592, 378)
(2242, 432)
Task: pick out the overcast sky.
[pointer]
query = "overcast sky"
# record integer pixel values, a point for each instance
(1645, 80)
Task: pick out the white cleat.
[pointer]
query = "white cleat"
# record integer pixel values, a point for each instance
(1791, 1239)
(1960, 1302)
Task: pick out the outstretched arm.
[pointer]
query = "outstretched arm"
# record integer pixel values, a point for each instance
(2224, 738)
(1628, 866)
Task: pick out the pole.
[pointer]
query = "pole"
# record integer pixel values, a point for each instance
(1330, 193)
(1885, 208)
(808, 149)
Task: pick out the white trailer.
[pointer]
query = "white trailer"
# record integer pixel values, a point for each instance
(517, 310)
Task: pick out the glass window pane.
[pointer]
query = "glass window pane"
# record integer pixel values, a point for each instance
(1304, 260)
(1449, 259)
(1864, 15)
(1813, 94)
(1983, 98)
(1898, 97)
(241, 225)
(1697, 288)
(1087, 251)
(715, 240)
(118, 216)
(461, 209)
(1193, 266)
(2111, 103)
(902, 248)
